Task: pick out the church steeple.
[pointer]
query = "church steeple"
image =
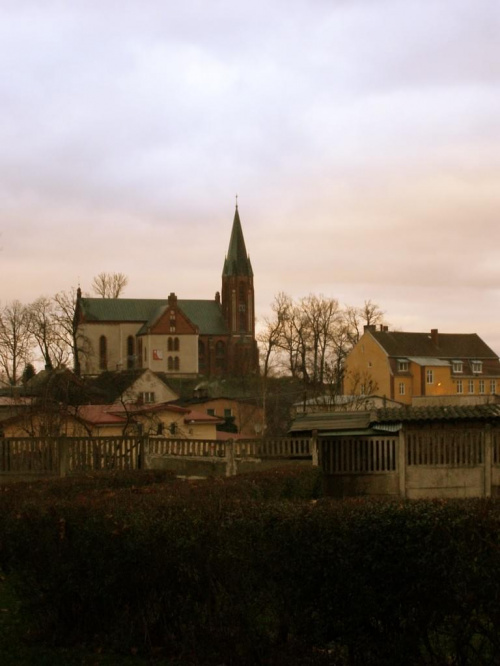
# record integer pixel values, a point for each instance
(238, 303)
(237, 262)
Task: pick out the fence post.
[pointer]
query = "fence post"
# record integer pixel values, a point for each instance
(230, 459)
(63, 455)
(488, 459)
(402, 463)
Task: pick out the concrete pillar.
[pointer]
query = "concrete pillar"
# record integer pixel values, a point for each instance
(231, 469)
(402, 463)
(314, 448)
(63, 455)
(488, 459)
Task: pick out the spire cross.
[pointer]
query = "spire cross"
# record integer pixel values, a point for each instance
(236, 201)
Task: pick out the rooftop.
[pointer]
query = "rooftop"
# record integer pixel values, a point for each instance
(433, 344)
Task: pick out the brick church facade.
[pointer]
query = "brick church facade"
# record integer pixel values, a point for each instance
(179, 337)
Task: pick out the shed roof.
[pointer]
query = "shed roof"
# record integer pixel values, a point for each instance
(438, 413)
(337, 423)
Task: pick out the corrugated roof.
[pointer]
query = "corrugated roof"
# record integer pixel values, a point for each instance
(390, 419)
(437, 412)
(449, 345)
(331, 421)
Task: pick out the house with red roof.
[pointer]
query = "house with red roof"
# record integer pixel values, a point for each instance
(168, 420)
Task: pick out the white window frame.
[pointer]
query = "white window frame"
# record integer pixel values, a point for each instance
(403, 366)
(460, 386)
(481, 386)
(493, 386)
(471, 386)
(477, 367)
(402, 388)
(429, 376)
(458, 366)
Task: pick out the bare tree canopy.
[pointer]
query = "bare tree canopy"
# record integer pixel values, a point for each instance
(109, 285)
(310, 338)
(65, 315)
(15, 340)
(48, 332)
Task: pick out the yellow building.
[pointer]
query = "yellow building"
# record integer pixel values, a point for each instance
(403, 366)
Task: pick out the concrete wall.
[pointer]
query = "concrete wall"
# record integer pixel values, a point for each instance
(156, 353)
(355, 485)
(116, 334)
(432, 462)
(216, 467)
(444, 482)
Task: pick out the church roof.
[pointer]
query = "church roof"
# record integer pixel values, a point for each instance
(204, 314)
(237, 261)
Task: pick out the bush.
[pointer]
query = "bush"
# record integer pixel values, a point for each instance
(256, 570)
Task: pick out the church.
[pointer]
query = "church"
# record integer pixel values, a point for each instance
(182, 338)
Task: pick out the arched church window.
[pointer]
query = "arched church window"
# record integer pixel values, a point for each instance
(130, 352)
(176, 363)
(103, 353)
(202, 361)
(176, 344)
(220, 355)
(170, 344)
(170, 363)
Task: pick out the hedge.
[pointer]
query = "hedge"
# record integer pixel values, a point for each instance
(233, 572)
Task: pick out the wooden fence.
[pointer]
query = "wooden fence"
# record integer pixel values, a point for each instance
(365, 455)
(48, 456)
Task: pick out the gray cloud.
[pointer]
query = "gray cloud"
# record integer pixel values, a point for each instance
(362, 138)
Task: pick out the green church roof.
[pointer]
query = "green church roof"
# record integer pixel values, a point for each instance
(206, 315)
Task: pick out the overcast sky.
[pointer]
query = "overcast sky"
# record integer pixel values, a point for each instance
(362, 137)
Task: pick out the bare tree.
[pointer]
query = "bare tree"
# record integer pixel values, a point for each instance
(360, 386)
(270, 337)
(356, 319)
(312, 337)
(15, 340)
(49, 334)
(109, 285)
(67, 321)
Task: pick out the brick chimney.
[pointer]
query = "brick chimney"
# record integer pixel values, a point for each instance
(435, 337)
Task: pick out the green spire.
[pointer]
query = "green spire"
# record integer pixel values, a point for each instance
(237, 261)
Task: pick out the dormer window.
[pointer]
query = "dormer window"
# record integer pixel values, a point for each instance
(458, 366)
(477, 367)
(403, 365)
